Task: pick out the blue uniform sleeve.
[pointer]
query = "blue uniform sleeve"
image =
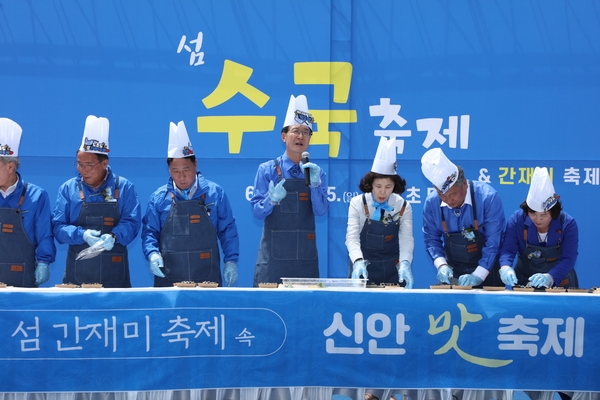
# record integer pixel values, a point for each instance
(227, 229)
(65, 214)
(261, 204)
(432, 227)
(40, 231)
(129, 208)
(493, 227)
(570, 242)
(512, 243)
(318, 196)
(152, 224)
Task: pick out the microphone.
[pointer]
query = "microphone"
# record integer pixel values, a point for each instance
(305, 156)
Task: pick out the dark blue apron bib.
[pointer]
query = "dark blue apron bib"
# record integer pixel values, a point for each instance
(379, 245)
(541, 259)
(464, 249)
(188, 245)
(17, 253)
(288, 246)
(110, 268)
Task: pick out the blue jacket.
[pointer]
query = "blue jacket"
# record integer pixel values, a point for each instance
(68, 205)
(36, 218)
(221, 216)
(490, 216)
(566, 232)
(262, 206)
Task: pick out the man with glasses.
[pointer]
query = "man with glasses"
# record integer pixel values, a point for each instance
(184, 220)
(98, 208)
(26, 243)
(463, 224)
(288, 246)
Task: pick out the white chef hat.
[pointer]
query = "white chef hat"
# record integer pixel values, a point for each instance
(541, 196)
(439, 170)
(385, 158)
(297, 112)
(10, 138)
(179, 141)
(95, 135)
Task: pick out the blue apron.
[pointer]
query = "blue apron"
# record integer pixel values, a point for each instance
(110, 268)
(288, 246)
(541, 259)
(464, 249)
(379, 245)
(17, 253)
(188, 244)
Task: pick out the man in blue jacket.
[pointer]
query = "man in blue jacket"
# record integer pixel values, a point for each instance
(463, 224)
(26, 243)
(99, 208)
(184, 220)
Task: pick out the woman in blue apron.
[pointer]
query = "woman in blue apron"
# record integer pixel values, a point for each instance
(379, 236)
(543, 239)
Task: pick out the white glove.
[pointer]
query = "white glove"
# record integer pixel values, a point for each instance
(405, 274)
(541, 280)
(444, 274)
(230, 273)
(359, 268)
(508, 276)
(156, 263)
(91, 236)
(108, 241)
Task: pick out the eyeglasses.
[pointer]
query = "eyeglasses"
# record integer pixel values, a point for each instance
(180, 171)
(85, 167)
(301, 132)
(302, 117)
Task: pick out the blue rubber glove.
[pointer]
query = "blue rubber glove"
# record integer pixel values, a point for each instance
(541, 280)
(42, 273)
(91, 236)
(108, 241)
(405, 274)
(469, 280)
(156, 263)
(230, 273)
(277, 193)
(359, 268)
(444, 274)
(508, 276)
(315, 173)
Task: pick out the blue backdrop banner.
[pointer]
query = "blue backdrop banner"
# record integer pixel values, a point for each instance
(500, 86)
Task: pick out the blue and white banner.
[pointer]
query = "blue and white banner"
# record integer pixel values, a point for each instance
(161, 339)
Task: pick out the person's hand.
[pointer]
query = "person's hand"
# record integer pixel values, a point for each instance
(359, 268)
(230, 273)
(508, 276)
(469, 280)
(108, 241)
(315, 173)
(91, 236)
(277, 193)
(156, 263)
(405, 274)
(541, 280)
(42, 273)
(444, 274)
